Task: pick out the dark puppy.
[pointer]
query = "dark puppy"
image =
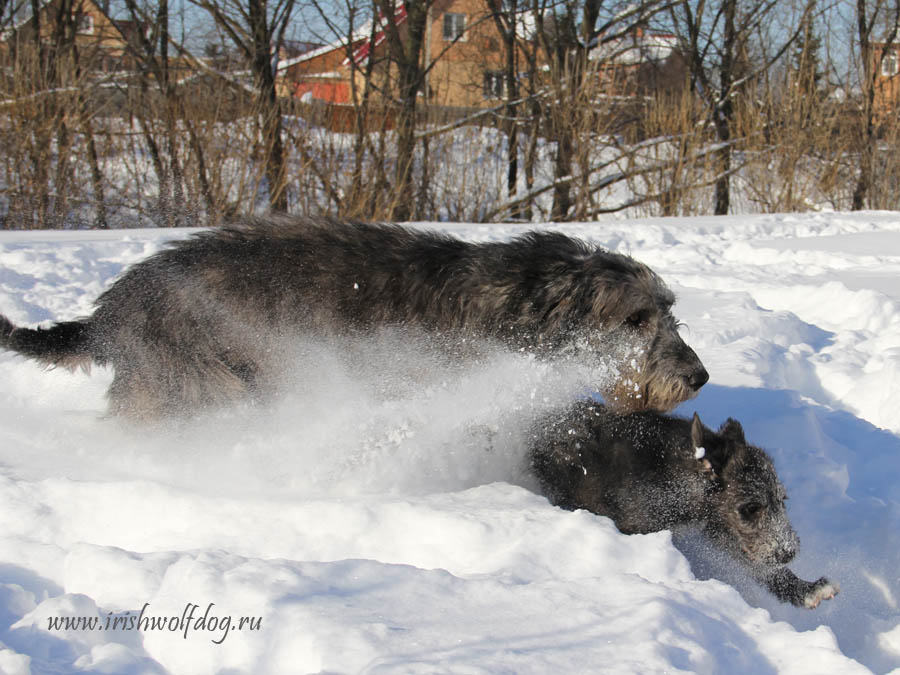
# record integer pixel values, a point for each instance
(651, 472)
(203, 322)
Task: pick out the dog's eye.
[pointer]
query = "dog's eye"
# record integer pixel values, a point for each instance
(750, 511)
(636, 320)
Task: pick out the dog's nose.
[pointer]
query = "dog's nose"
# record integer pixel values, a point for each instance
(698, 378)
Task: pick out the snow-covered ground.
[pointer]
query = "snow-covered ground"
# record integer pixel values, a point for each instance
(377, 519)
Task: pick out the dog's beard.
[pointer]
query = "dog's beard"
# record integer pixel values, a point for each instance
(618, 364)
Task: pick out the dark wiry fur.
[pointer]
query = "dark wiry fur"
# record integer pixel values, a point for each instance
(643, 471)
(199, 323)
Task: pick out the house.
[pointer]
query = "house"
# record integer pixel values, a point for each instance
(103, 43)
(886, 70)
(322, 74)
(640, 63)
(467, 58)
(463, 49)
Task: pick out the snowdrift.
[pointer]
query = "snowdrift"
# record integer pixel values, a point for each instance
(380, 519)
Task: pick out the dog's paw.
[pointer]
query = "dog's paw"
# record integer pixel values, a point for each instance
(820, 590)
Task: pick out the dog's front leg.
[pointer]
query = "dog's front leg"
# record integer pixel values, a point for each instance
(788, 587)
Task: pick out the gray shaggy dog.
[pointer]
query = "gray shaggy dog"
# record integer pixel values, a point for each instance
(651, 472)
(202, 322)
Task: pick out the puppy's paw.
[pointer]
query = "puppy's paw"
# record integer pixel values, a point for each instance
(820, 590)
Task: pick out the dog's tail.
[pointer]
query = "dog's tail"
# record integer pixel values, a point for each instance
(66, 344)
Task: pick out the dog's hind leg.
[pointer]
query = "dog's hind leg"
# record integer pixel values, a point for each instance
(133, 395)
(143, 392)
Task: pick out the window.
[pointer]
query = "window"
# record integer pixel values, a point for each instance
(454, 26)
(889, 64)
(85, 24)
(493, 84)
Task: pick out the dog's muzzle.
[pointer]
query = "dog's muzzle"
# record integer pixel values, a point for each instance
(697, 378)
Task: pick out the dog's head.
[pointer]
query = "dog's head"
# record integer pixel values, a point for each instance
(746, 512)
(626, 320)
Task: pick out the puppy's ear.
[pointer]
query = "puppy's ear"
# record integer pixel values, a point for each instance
(733, 430)
(700, 453)
(696, 432)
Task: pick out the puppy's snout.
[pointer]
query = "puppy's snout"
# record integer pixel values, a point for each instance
(787, 549)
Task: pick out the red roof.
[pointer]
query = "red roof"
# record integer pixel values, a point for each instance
(362, 53)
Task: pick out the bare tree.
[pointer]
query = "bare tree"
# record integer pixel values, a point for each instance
(405, 25)
(257, 29)
(871, 15)
(158, 102)
(398, 72)
(576, 40)
(728, 48)
(48, 99)
(356, 25)
(507, 16)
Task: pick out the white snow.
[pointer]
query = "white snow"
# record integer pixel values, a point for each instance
(379, 518)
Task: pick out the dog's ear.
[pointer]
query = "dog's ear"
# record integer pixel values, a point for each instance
(733, 430)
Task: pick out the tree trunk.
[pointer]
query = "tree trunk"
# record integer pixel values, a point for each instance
(270, 110)
(504, 15)
(96, 174)
(406, 54)
(865, 25)
(724, 112)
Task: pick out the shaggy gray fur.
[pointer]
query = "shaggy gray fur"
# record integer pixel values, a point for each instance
(651, 472)
(202, 322)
